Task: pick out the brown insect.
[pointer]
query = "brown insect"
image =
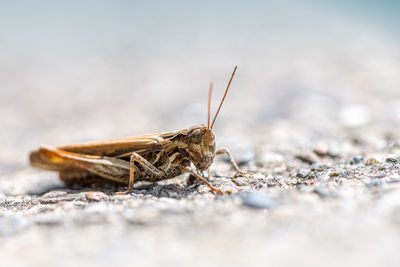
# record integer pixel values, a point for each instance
(152, 157)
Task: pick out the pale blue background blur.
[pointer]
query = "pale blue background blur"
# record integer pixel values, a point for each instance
(73, 71)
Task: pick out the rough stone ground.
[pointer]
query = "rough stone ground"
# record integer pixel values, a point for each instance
(316, 121)
(299, 207)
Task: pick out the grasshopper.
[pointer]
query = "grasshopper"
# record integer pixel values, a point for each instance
(151, 157)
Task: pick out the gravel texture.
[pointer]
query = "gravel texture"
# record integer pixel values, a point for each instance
(316, 122)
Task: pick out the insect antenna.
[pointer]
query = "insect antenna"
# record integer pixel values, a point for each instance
(222, 101)
(209, 104)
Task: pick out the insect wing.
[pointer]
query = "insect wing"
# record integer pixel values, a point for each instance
(117, 147)
(114, 169)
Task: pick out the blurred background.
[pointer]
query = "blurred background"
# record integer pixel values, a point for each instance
(78, 71)
(308, 72)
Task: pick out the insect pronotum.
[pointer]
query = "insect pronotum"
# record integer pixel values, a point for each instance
(151, 157)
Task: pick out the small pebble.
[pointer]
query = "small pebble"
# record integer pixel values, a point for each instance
(334, 152)
(321, 149)
(318, 167)
(246, 156)
(303, 173)
(357, 159)
(258, 201)
(53, 194)
(96, 196)
(392, 158)
(371, 161)
(48, 219)
(394, 180)
(172, 194)
(156, 190)
(334, 174)
(324, 193)
(61, 198)
(272, 157)
(308, 157)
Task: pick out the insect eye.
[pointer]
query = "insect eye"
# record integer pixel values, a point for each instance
(212, 147)
(196, 136)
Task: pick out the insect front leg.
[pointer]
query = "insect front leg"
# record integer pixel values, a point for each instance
(145, 164)
(216, 190)
(232, 161)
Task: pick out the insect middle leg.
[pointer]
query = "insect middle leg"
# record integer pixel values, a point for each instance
(232, 161)
(145, 164)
